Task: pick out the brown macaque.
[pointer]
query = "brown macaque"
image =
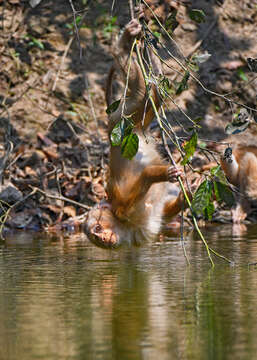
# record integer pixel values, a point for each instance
(240, 167)
(141, 192)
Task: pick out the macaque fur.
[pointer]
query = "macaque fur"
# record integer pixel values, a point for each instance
(141, 195)
(240, 167)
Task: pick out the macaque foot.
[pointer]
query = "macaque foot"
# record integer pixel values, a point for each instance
(140, 11)
(238, 214)
(133, 28)
(173, 173)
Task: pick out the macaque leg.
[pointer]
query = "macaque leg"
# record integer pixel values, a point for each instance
(134, 103)
(173, 207)
(150, 175)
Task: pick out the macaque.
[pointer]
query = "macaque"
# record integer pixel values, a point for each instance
(141, 192)
(240, 167)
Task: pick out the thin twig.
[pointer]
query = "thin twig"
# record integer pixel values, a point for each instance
(185, 68)
(91, 103)
(76, 29)
(62, 62)
(62, 198)
(173, 162)
(10, 207)
(131, 8)
(199, 43)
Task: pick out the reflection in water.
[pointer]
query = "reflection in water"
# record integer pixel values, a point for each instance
(67, 299)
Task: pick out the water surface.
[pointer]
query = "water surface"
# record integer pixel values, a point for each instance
(63, 298)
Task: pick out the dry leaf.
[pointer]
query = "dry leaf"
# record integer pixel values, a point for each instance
(70, 211)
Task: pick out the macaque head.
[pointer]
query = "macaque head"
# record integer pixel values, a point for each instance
(103, 229)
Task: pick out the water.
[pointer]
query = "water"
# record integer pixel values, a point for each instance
(63, 298)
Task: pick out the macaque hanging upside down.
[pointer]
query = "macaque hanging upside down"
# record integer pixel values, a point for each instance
(240, 167)
(141, 193)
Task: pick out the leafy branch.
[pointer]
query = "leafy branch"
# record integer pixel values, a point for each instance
(202, 199)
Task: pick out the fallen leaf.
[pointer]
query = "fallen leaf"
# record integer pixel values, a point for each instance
(70, 211)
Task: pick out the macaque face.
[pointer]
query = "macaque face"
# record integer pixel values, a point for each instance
(103, 229)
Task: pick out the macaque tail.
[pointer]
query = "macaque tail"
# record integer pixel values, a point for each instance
(108, 92)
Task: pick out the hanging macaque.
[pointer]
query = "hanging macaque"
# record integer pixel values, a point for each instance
(142, 196)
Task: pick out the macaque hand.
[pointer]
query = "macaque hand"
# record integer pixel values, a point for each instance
(173, 173)
(133, 28)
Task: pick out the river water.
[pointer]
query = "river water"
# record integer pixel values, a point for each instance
(64, 298)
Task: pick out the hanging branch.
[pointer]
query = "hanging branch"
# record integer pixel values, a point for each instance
(185, 68)
(164, 131)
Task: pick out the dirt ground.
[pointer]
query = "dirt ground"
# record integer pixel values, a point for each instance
(54, 148)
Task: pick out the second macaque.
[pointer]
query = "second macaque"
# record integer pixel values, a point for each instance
(240, 167)
(141, 192)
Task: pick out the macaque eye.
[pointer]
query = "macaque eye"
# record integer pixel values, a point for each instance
(97, 229)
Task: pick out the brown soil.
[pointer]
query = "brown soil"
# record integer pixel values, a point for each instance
(52, 107)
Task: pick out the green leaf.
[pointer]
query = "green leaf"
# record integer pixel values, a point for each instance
(120, 130)
(78, 19)
(37, 43)
(164, 87)
(113, 20)
(117, 134)
(202, 197)
(223, 193)
(171, 23)
(209, 211)
(219, 174)
(129, 146)
(192, 66)
(183, 84)
(189, 148)
(197, 15)
(197, 120)
(242, 75)
(113, 107)
(157, 34)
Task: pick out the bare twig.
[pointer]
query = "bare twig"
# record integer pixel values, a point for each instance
(76, 29)
(10, 207)
(62, 198)
(62, 62)
(185, 68)
(199, 43)
(131, 8)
